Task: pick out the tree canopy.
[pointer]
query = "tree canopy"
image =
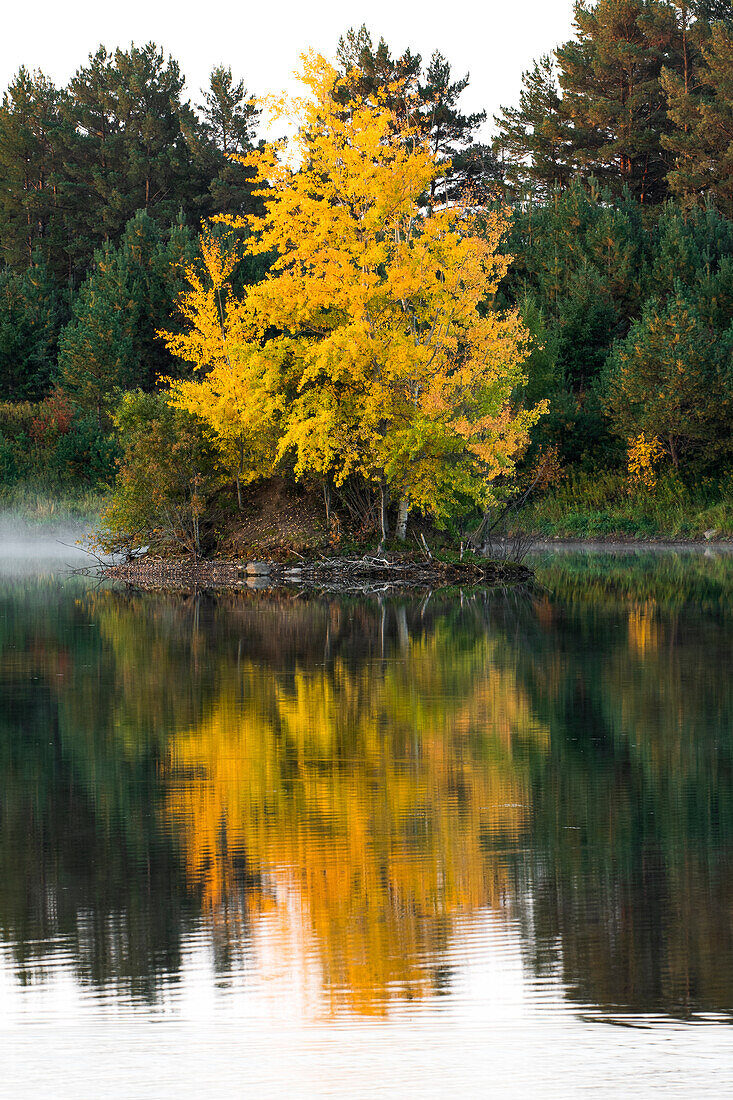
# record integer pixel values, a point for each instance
(375, 326)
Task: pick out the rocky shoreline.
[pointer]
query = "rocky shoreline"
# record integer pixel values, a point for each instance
(338, 574)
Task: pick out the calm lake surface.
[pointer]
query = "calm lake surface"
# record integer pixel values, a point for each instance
(424, 847)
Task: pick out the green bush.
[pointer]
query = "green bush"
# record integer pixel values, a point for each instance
(85, 454)
(53, 444)
(8, 462)
(168, 474)
(16, 419)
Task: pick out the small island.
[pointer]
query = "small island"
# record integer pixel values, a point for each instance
(369, 573)
(280, 538)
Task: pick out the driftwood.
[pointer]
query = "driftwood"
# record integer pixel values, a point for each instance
(375, 573)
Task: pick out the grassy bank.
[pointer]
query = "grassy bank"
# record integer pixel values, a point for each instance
(602, 506)
(582, 506)
(42, 507)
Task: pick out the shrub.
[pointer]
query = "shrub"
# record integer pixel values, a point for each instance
(53, 444)
(168, 473)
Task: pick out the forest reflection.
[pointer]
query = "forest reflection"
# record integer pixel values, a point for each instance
(357, 778)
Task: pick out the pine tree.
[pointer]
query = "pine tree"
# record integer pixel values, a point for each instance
(230, 117)
(579, 262)
(96, 347)
(610, 75)
(30, 167)
(702, 111)
(94, 158)
(31, 316)
(152, 263)
(132, 146)
(713, 11)
(368, 71)
(154, 122)
(580, 236)
(451, 133)
(533, 139)
(670, 379)
(686, 247)
(111, 342)
(230, 113)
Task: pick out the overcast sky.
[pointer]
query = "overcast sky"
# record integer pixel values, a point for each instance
(494, 40)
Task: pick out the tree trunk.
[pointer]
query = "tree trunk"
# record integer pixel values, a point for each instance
(402, 514)
(240, 471)
(384, 518)
(403, 632)
(196, 541)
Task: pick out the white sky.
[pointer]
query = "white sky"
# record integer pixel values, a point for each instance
(494, 40)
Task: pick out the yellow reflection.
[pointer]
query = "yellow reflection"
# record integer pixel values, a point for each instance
(381, 793)
(643, 628)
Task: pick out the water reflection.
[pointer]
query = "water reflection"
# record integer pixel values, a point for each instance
(634, 809)
(347, 790)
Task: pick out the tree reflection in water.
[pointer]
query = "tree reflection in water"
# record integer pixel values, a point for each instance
(355, 778)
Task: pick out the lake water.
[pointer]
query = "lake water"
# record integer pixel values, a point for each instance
(425, 847)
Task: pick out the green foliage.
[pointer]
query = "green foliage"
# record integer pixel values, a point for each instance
(589, 274)
(84, 454)
(451, 134)
(76, 164)
(542, 367)
(671, 378)
(31, 144)
(8, 462)
(639, 99)
(701, 108)
(95, 349)
(53, 445)
(610, 75)
(230, 117)
(534, 138)
(35, 503)
(685, 246)
(600, 505)
(168, 474)
(111, 344)
(31, 314)
(133, 147)
(578, 233)
(576, 275)
(99, 184)
(713, 11)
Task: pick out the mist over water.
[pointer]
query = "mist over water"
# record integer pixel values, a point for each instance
(29, 548)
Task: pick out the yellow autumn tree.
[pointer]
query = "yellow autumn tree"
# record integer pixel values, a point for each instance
(374, 326)
(238, 395)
